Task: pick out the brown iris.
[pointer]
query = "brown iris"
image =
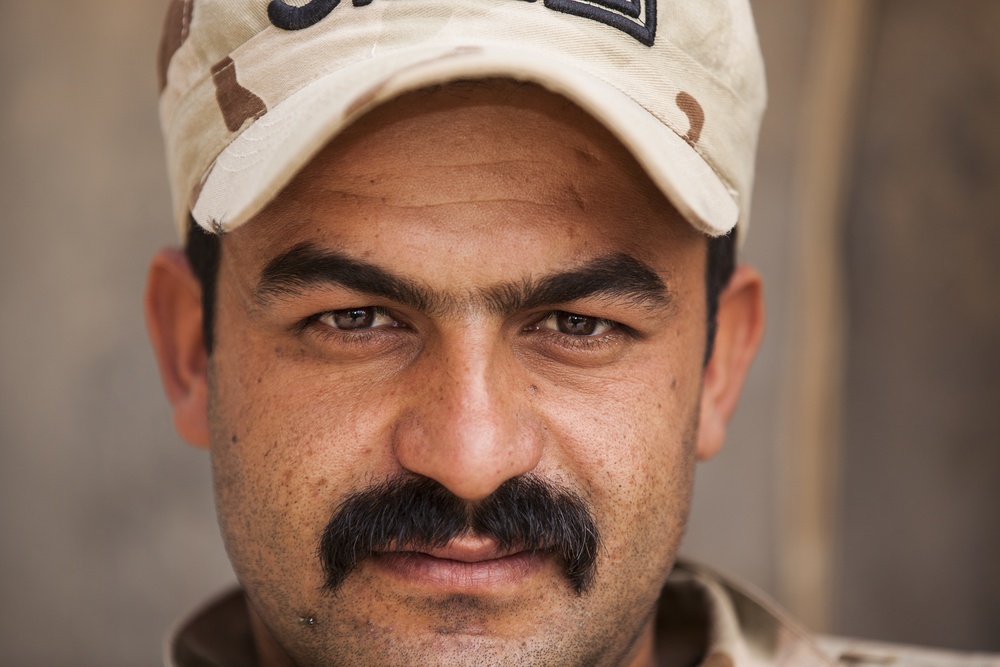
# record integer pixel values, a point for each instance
(353, 318)
(576, 325)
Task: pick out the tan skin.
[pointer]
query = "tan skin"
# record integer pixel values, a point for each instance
(458, 192)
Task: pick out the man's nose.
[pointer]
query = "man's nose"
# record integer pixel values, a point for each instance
(470, 425)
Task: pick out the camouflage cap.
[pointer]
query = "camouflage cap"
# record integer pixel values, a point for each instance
(251, 90)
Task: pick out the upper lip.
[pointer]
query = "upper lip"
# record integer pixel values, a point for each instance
(467, 549)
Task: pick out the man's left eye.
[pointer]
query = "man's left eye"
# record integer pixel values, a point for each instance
(356, 319)
(572, 324)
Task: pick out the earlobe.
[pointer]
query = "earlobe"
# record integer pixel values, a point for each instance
(174, 322)
(740, 328)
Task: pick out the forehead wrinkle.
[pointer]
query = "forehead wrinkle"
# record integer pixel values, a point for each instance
(503, 176)
(418, 200)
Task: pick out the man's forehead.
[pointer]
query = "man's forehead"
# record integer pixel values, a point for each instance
(485, 123)
(495, 154)
(470, 115)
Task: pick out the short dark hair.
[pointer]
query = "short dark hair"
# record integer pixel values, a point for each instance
(204, 251)
(719, 266)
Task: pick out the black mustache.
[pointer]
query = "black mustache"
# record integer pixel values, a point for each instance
(524, 513)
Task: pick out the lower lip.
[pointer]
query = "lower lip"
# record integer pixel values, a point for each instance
(460, 576)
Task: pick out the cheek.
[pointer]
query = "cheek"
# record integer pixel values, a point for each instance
(288, 441)
(632, 452)
(629, 443)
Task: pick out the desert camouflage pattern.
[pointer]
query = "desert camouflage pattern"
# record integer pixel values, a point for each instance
(225, 65)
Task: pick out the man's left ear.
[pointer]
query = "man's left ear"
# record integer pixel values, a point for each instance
(737, 337)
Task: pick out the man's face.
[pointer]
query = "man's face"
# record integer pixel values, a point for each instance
(518, 301)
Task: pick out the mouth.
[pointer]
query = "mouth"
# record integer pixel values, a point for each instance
(464, 565)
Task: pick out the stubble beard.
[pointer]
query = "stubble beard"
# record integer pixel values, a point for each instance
(347, 637)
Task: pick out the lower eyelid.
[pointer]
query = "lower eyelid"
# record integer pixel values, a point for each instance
(377, 336)
(615, 332)
(589, 344)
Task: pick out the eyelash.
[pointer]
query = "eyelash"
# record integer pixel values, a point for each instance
(365, 337)
(615, 334)
(362, 338)
(358, 337)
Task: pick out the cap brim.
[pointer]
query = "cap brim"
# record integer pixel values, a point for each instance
(262, 160)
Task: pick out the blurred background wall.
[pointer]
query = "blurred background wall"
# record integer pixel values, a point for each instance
(861, 480)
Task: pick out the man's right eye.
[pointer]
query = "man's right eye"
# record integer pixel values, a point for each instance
(579, 326)
(357, 319)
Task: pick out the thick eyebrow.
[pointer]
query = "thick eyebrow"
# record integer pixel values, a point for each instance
(307, 265)
(618, 276)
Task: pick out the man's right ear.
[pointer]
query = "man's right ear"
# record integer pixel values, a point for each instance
(173, 318)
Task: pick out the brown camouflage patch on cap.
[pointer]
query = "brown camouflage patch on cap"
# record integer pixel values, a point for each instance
(696, 116)
(238, 104)
(717, 659)
(176, 27)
